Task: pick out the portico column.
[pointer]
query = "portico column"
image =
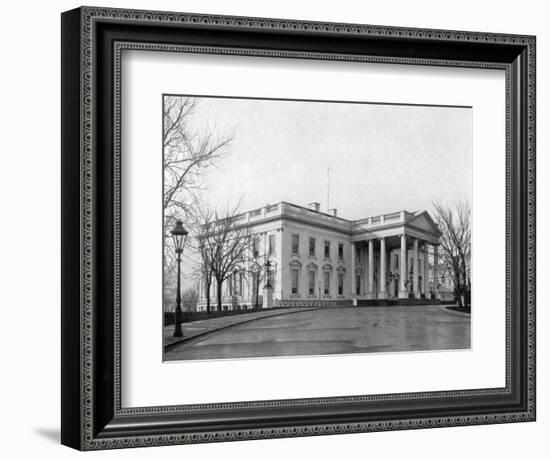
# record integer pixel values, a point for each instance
(436, 271)
(370, 285)
(382, 294)
(391, 292)
(353, 294)
(425, 272)
(415, 269)
(403, 268)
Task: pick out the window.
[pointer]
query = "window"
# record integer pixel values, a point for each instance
(357, 255)
(311, 282)
(327, 282)
(340, 251)
(358, 284)
(255, 247)
(295, 281)
(311, 246)
(327, 249)
(236, 284)
(240, 285)
(271, 244)
(295, 243)
(340, 283)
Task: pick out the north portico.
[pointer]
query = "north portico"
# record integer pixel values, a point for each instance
(318, 258)
(391, 256)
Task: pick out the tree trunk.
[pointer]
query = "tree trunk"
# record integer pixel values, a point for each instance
(257, 288)
(458, 282)
(219, 294)
(462, 290)
(464, 278)
(208, 298)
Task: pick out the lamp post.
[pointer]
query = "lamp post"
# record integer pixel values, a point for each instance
(268, 288)
(179, 235)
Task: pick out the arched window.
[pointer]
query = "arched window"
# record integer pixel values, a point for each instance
(311, 282)
(326, 277)
(340, 283)
(295, 273)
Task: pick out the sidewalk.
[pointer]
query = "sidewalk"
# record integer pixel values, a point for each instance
(199, 328)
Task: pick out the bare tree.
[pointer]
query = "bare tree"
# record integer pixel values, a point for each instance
(224, 244)
(187, 154)
(455, 226)
(205, 250)
(257, 270)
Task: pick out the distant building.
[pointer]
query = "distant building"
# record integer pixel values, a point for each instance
(320, 258)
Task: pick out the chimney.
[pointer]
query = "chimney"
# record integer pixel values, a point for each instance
(315, 206)
(333, 212)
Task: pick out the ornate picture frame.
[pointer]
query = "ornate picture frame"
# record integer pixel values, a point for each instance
(92, 413)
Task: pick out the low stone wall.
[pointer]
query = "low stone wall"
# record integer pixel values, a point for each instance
(186, 317)
(234, 303)
(390, 302)
(315, 303)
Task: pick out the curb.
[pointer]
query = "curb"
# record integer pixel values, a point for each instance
(210, 331)
(457, 313)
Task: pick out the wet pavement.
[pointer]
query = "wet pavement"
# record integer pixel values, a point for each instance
(333, 331)
(193, 329)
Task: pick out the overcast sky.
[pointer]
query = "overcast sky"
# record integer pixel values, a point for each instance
(382, 158)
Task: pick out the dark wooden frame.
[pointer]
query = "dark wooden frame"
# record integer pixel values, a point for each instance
(92, 40)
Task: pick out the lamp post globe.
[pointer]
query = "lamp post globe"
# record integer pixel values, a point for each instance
(179, 235)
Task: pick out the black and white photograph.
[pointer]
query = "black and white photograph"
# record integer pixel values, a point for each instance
(275, 229)
(313, 227)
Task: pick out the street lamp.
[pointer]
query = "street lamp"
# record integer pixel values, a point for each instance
(179, 235)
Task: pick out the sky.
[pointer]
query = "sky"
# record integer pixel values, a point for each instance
(382, 158)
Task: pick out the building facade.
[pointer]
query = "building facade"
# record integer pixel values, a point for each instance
(318, 258)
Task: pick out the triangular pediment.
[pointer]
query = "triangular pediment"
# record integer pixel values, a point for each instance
(423, 221)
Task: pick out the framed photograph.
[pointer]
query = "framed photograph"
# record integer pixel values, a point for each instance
(276, 228)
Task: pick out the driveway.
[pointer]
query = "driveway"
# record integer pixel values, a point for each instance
(333, 331)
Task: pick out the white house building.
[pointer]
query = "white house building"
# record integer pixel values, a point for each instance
(319, 258)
